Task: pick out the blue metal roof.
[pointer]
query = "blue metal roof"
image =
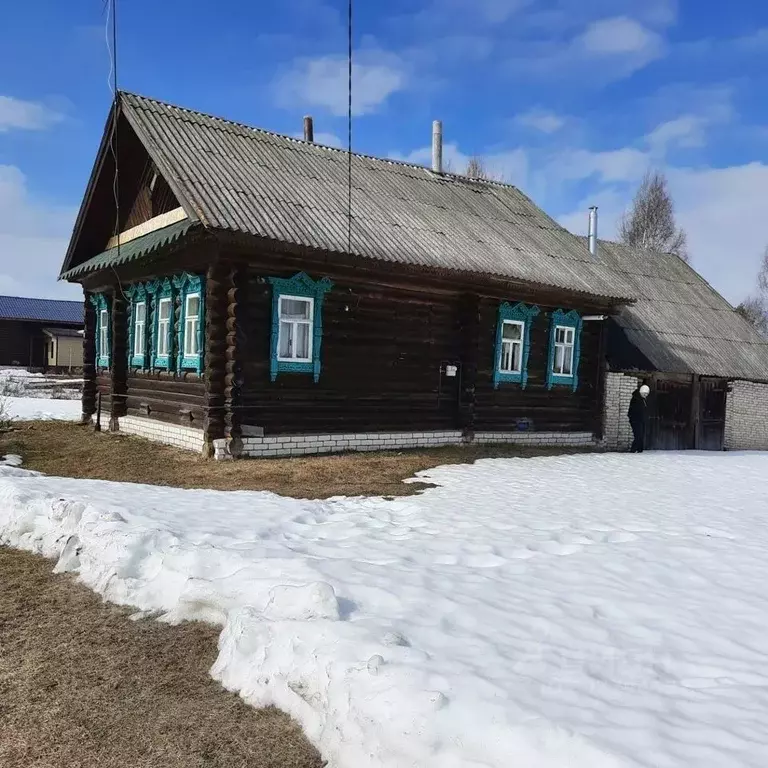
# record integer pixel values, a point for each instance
(44, 310)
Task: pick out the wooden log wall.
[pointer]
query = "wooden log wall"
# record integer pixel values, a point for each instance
(384, 358)
(237, 303)
(556, 410)
(217, 284)
(119, 361)
(382, 353)
(177, 398)
(89, 359)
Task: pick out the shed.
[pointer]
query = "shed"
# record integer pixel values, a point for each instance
(23, 340)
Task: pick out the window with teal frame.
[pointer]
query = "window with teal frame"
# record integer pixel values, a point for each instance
(564, 349)
(138, 315)
(103, 330)
(513, 343)
(163, 321)
(191, 289)
(297, 324)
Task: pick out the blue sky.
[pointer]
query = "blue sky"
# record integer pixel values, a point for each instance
(571, 100)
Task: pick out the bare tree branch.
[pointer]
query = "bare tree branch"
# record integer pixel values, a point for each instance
(477, 169)
(753, 310)
(650, 224)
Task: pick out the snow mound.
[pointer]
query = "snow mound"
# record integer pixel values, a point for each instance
(572, 612)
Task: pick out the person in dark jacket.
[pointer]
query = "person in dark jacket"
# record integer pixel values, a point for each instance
(638, 417)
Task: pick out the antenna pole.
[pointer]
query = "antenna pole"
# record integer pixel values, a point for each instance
(349, 132)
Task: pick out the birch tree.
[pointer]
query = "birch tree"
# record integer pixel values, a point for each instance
(650, 224)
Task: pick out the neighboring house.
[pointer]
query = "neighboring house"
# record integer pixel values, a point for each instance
(29, 329)
(64, 347)
(235, 317)
(707, 367)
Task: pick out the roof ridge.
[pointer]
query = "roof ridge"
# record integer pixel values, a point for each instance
(340, 150)
(37, 298)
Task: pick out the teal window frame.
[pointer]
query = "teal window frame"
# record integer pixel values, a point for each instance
(162, 290)
(138, 294)
(517, 313)
(190, 285)
(562, 319)
(301, 286)
(101, 303)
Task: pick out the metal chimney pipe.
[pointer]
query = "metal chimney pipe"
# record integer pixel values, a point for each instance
(309, 128)
(437, 146)
(593, 230)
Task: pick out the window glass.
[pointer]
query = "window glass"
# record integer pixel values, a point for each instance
(163, 326)
(295, 330)
(103, 333)
(140, 312)
(192, 326)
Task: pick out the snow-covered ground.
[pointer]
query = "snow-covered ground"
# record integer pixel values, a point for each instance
(39, 408)
(25, 396)
(587, 611)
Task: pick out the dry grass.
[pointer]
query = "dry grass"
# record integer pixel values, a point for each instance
(69, 450)
(81, 685)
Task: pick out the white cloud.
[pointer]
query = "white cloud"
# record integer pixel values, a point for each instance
(25, 115)
(723, 212)
(619, 35)
(684, 131)
(322, 82)
(721, 209)
(33, 240)
(541, 120)
(617, 165)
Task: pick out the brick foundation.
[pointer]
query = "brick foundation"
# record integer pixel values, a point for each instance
(746, 417)
(189, 438)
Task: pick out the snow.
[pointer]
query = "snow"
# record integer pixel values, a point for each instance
(589, 611)
(40, 408)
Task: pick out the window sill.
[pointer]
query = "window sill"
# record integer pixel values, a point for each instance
(102, 362)
(163, 362)
(501, 377)
(558, 380)
(190, 363)
(284, 366)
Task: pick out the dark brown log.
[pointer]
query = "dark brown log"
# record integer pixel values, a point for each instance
(89, 360)
(216, 301)
(119, 357)
(236, 304)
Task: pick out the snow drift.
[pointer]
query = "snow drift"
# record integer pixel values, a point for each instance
(582, 611)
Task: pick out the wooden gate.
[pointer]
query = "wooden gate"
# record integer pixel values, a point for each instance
(687, 412)
(711, 425)
(670, 415)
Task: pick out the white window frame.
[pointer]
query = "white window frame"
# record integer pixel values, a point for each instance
(187, 296)
(139, 350)
(103, 333)
(309, 322)
(164, 328)
(564, 346)
(512, 342)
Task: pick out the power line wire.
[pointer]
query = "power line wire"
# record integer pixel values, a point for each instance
(349, 131)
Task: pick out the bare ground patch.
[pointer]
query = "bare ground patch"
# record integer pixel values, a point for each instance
(70, 450)
(83, 686)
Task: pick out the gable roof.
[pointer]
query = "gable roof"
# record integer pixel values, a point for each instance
(679, 322)
(43, 310)
(232, 177)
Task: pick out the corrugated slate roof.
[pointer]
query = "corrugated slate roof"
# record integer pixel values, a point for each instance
(132, 250)
(233, 177)
(44, 310)
(679, 322)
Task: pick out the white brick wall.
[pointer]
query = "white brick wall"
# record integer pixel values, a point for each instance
(746, 417)
(177, 435)
(303, 445)
(617, 434)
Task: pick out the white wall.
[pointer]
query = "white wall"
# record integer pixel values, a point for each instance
(617, 434)
(746, 417)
